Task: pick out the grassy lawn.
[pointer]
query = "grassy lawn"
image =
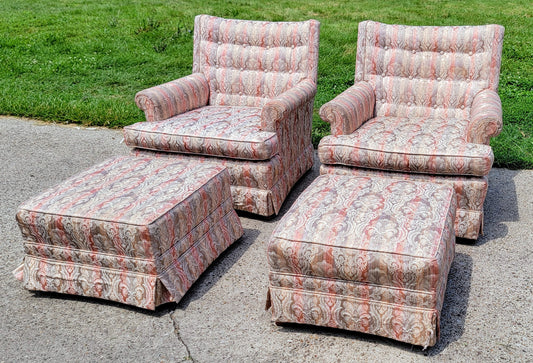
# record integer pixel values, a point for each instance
(83, 60)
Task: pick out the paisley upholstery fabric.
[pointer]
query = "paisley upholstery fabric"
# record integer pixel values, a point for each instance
(424, 101)
(175, 97)
(258, 187)
(469, 191)
(486, 117)
(350, 109)
(415, 145)
(135, 230)
(248, 63)
(365, 254)
(229, 131)
(428, 71)
(262, 76)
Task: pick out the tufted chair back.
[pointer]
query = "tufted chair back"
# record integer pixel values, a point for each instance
(248, 62)
(424, 71)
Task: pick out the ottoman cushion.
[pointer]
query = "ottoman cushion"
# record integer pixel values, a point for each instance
(365, 254)
(135, 230)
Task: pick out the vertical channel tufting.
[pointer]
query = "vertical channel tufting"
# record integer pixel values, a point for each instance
(248, 62)
(428, 71)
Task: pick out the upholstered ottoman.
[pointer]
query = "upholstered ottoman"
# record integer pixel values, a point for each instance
(364, 254)
(135, 230)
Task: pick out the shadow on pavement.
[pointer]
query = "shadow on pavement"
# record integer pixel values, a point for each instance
(219, 267)
(501, 205)
(453, 314)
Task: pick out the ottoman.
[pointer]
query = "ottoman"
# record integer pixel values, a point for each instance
(134, 230)
(364, 254)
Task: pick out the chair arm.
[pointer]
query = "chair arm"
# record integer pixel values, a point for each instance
(175, 97)
(279, 107)
(485, 117)
(350, 109)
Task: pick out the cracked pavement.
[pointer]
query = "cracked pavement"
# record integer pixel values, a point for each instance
(175, 321)
(487, 312)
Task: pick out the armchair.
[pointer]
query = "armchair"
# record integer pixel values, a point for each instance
(247, 105)
(424, 106)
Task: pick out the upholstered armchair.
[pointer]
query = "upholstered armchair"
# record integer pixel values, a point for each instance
(424, 106)
(248, 105)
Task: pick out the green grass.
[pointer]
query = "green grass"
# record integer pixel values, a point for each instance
(83, 61)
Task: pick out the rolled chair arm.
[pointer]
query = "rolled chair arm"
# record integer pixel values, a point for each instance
(278, 107)
(175, 97)
(350, 109)
(485, 117)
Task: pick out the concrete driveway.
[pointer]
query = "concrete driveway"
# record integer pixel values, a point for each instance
(487, 314)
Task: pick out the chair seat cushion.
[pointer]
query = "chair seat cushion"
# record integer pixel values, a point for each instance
(419, 145)
(225, 131)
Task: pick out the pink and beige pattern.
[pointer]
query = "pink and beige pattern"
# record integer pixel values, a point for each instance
(226, 131)
(258, 187)
(365, 254)
(248, 104)
(135, 230)
(412, 145)
(469, 191)
(424, 102)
